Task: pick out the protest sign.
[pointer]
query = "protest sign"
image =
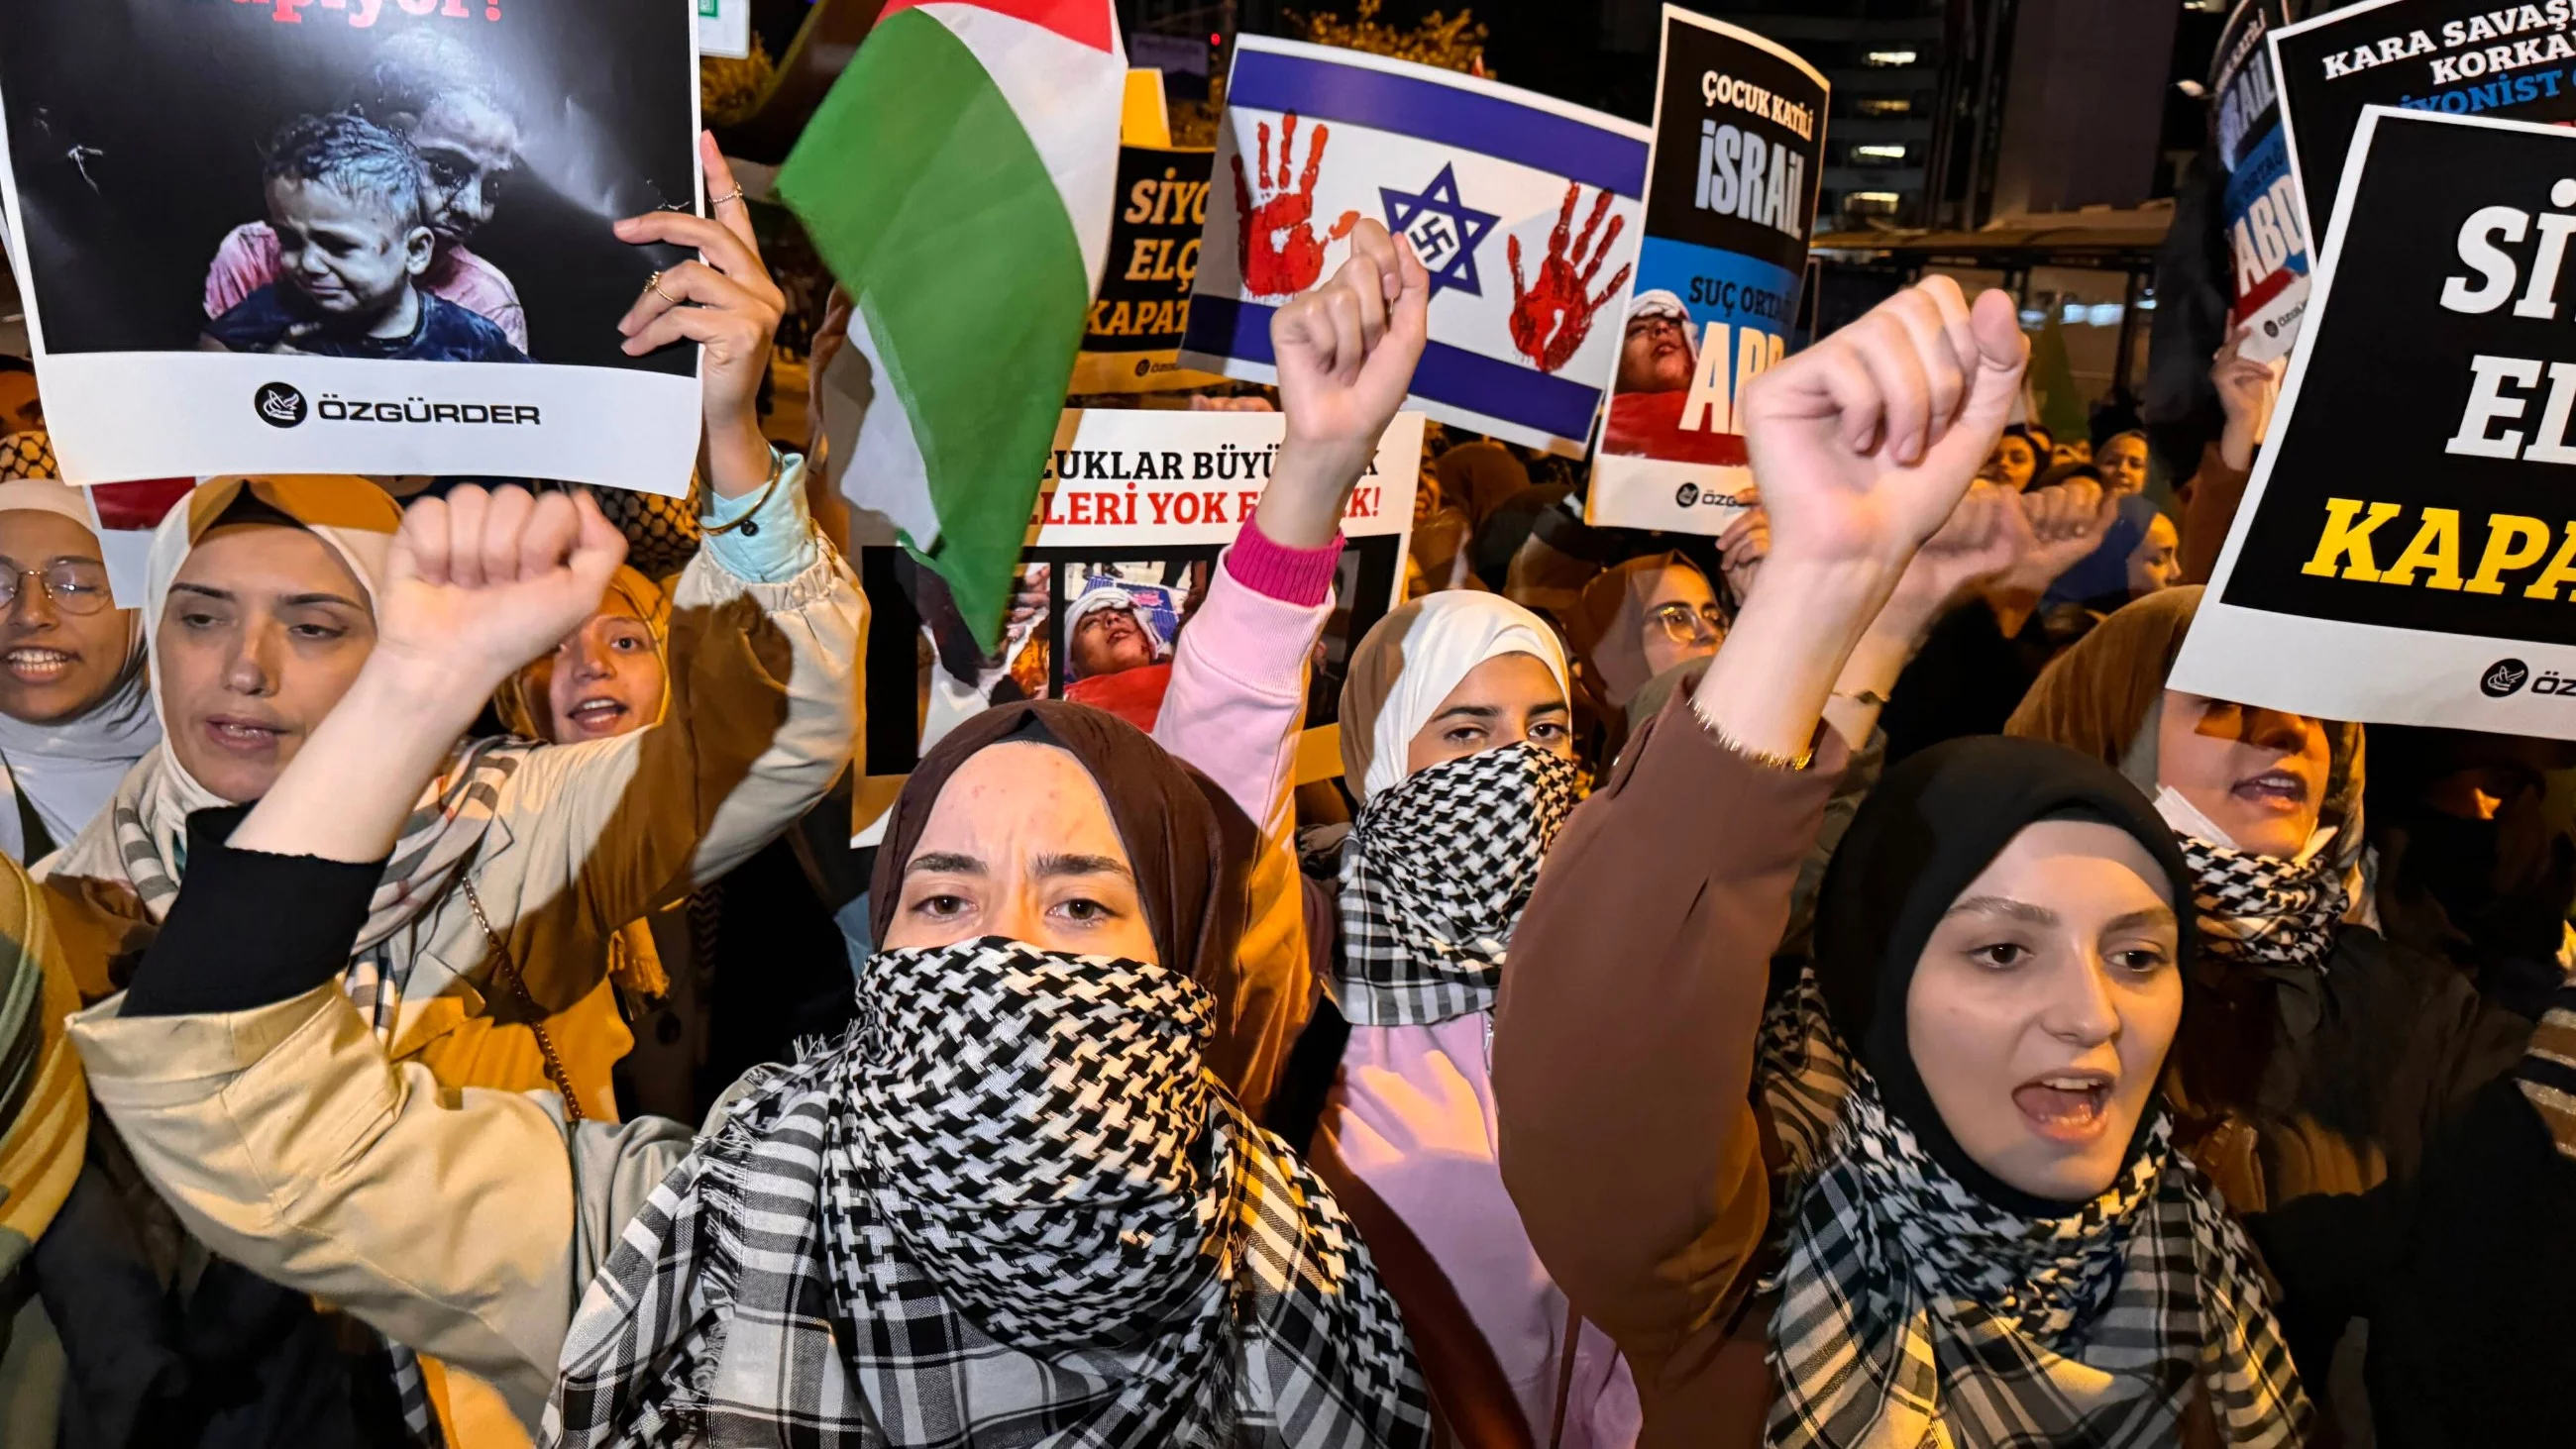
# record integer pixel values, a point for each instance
(1523, 208)
(2267, 245)
(1143, 306)
(296, 235)
(1135, 508)
(1730, 203)
(2462, 57)
(2406, 552)
(724, 28)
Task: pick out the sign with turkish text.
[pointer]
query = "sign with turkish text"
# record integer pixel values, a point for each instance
(350, 236)
(2406, 551)
(1524, 208)
(2267, 243)
(1730, 206)
(1133, 339)
(2460, 57)
(1136, 507)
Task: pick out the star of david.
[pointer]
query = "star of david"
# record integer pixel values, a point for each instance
(1445, 232)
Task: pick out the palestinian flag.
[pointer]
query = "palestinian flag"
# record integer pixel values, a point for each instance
(958, 181)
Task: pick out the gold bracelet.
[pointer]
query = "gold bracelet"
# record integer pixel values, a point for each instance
(777, 470)
(1765, 758)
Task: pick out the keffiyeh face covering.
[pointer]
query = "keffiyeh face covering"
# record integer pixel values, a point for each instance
(1009, 1207)
(1434, 877)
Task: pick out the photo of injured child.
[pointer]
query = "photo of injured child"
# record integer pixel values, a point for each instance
(448, 109)
(348, 224)
(1118, 646)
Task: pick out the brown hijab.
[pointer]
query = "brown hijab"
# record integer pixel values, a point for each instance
(1190, 856)
(1607, 625)
(1477, 478)
(2105, 698)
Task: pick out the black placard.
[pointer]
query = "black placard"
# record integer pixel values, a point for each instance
(2435, 388)
(2454, 57)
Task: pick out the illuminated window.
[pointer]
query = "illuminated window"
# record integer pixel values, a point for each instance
(1886, 106)
(1878, 153)
(1871, 203)
(1886, 58)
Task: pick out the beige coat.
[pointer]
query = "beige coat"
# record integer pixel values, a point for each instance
(465, 1224)
(765, 712)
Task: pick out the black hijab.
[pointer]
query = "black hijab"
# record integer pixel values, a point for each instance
(1189, 855)
(1934, 823)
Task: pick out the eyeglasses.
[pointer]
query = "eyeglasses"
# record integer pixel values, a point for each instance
(1687, 624)
(74, 588)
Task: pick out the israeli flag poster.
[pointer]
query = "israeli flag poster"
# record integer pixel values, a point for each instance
(1525, 210)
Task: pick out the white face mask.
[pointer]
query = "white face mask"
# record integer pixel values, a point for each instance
(2187, 818)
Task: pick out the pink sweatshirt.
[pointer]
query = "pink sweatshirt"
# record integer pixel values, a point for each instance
(1410, 1126)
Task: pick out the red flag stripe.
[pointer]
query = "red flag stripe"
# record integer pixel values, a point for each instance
(1086, 22)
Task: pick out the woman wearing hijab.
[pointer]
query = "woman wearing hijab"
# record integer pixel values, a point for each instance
(1949, 1131)
(608, 678)
(1480, 476)
(1057, 906)
(1641, 621)
(2395, 1140)
(2123, 461)
(75, 704)
(484, 956)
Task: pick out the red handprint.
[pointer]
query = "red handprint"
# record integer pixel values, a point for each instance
(1550, 320)
(1282, 256)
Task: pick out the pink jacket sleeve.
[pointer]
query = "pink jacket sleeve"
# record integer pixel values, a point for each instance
(1236, 705)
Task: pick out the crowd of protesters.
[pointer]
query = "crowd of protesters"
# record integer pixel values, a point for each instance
(1812, 986)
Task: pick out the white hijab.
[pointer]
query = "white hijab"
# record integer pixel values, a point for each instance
(68, 769)
(1408, 664)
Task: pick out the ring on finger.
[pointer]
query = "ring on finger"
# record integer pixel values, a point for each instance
(653, 284)
(733, 195)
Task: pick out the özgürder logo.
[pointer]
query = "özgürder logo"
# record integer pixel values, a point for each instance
(1686, 495)
(2505, 676)
(278, 404)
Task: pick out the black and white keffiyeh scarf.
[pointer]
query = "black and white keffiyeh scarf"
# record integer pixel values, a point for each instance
(2262, 910)
(1008, 1208)
(1434, 876)
(1914, 1312)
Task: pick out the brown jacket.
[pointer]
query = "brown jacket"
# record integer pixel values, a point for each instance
(1623, 1062)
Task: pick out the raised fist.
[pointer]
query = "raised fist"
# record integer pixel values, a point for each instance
(1346, 352)
(1282, 256)
(1864, 443)
(478, 584)
(1551, 317)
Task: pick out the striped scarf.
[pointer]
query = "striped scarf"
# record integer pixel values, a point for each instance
(1914, 1312)
(144, 847)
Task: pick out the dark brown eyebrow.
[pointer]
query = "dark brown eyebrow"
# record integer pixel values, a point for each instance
(945, 862)
(2147, 916)
(2003, 906)
(291, 601)
(1470, 711)
(1064, 864)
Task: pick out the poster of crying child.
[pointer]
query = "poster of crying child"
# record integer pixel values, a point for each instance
(350, 236)
(1132, 518)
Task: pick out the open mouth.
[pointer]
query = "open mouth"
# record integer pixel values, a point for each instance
(597, 716)
(35, 664)
(243, 736)
(2278, 789)
(2066, 1106)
